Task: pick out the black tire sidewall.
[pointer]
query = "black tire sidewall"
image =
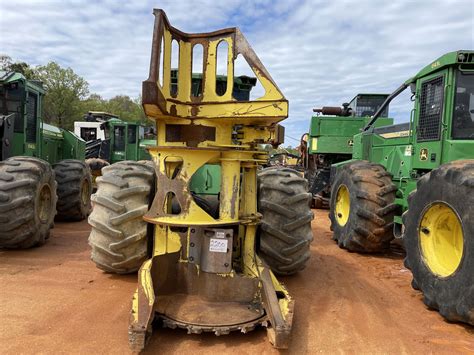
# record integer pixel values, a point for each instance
(70, 187)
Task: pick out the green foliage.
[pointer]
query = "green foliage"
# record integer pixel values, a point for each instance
(288, 149)
(283, 150)
(64, 92)
(5, 61)
(126, 108)
(94, 102)
(67, 96)
(123, 106)
(7, 64)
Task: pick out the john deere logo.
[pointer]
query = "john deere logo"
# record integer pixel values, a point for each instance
(424, 154)
(350, 142)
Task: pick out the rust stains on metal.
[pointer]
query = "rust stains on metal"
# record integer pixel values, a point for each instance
(280, 331)
(177, 186)
(235, 195)
(191, 288)
(155, 99)
(192, 134)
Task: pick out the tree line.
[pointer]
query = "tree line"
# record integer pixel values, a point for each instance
(68, 99)
(67, 96)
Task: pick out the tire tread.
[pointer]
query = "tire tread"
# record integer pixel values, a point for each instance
(285, 232)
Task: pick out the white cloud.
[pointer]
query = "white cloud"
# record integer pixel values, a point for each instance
(318, 52)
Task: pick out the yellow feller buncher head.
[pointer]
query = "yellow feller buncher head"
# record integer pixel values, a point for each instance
(204, 274)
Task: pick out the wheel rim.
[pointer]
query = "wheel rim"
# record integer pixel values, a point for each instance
(441, 239)
(44, 204)
(85, 192)
(343, 205)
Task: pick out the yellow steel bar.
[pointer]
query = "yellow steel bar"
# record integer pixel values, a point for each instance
(143, 301)
(166, 63)
(249, 195)
(230, 186)
(184, 74)
(259, 112)
(209, 85)
(223, 130)
(249, 255)
(230, 70)
(165, 241)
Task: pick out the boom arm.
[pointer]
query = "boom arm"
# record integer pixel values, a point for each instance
(384, 105)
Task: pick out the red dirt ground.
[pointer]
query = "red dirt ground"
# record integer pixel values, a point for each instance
(54, 300)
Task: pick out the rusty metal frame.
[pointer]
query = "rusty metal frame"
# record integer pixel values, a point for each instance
(170, 268)
(157, 99)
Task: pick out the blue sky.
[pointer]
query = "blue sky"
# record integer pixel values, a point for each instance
(318, 52)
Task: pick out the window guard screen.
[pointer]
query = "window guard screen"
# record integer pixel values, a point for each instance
(431, 110)
(31, 121)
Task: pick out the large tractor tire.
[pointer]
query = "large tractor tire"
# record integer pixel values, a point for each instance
(74, 190)
(285, 232)
(439, 239)
(119, 233)
(27, 202)
(362, 207)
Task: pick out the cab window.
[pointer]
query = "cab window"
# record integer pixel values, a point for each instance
(119, 138)
(132, 134)
(463, 113)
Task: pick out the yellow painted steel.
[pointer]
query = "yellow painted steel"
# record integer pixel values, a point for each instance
(441, 239)
(343, 205)
(193, 131)
(291, 161)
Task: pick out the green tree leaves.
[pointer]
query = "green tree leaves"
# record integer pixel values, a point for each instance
(64, 92)
(126, 108)
(67, 96)
(7, 64)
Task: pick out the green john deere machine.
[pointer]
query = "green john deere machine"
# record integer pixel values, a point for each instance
(110, 140)
(415, 181)
(42, 169)
(330, 140)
